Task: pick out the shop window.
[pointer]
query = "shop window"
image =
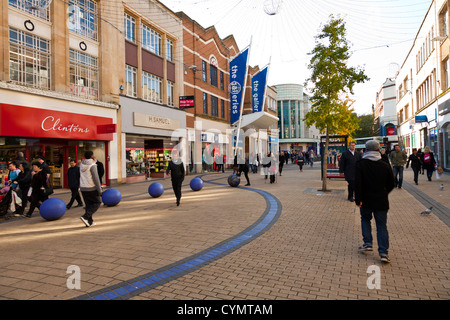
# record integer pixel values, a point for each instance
(32, 7)
(151, 87)
(83, 75)
(150, 39)
(130, 28)
(29, 59)
(83, 18)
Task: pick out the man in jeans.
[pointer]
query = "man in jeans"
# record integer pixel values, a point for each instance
(398, 159)
(374, 181)
(90, 188)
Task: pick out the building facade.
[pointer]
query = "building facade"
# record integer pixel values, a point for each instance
(422, 87)
(152, 124)
(293, 104)
(385, 115)
(58, 97)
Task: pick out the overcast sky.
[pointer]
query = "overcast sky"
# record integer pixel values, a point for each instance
(381, 33)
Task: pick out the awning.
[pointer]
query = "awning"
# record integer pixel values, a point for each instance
(258, 120)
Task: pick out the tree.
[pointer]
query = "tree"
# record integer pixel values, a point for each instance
(332, 81)
(366, 126)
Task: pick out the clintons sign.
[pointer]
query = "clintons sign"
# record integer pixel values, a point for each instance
(21, 121)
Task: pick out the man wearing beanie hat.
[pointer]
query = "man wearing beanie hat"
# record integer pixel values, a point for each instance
(90, 188)
(374, 181)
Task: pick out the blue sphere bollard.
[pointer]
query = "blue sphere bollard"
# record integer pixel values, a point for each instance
(234, 180)
(156, 189)
(111, 197)
(52, 209)
(196, 184)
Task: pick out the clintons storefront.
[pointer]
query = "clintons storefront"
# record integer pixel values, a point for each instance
(57, 135)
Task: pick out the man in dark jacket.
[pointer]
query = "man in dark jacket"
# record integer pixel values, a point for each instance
(177, 172)
(374, 181)
(73, 177)
(347, 166)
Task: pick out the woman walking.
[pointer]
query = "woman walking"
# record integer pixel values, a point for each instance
(24, 183)
(428, 162)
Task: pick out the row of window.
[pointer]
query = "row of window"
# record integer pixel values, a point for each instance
(151, 40)
(30, 61)
(214, 106)
(151, 86)
(425, 50)
(212, 75)
(83, 14)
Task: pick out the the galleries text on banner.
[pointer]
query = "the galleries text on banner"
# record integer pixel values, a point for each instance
(238, 68)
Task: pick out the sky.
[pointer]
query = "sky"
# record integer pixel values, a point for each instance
(381, 33)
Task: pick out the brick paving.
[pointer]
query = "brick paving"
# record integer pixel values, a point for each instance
(309, 253)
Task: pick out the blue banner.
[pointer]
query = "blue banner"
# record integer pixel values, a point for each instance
(258, 90)
(238, 72)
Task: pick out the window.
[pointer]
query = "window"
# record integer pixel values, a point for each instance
(83, 18)
(213, 75)
(31, 7)
(222, 109)
(169, 49)
(29, 59)
(204, 71)
(150, 40)
(205, 103)
(83, 75)
(130, 75)
(214, 106)
(400, 116)
(170, 94)
(130, 28)
(222, 83)
(151, 87)
(443, 23)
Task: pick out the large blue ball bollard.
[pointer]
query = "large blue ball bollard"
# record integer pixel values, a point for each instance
(234, 180)
(156, 189)
(52, 209)
(196, 184)
(111, 197)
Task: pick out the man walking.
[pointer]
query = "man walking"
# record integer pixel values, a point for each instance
(398, 159)
(177, 172)
(347, 166)
(374, 181)
(73, 177)
(90, 188)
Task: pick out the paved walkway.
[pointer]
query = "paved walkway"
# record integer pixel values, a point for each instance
(269, 241)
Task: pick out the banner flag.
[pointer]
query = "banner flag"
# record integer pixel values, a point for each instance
(238, 77)
(259, 89)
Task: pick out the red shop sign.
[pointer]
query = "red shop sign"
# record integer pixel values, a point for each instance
(21, 121)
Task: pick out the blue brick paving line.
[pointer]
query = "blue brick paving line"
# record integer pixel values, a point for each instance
(146, 282)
